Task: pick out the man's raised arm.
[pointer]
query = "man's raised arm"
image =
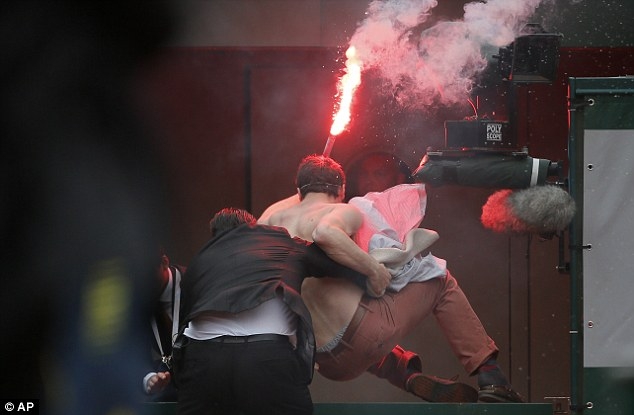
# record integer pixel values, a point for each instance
(333, 233)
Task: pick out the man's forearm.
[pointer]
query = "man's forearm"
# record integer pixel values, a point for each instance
(342, 249)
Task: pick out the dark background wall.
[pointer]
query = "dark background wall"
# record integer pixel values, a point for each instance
(248, 90)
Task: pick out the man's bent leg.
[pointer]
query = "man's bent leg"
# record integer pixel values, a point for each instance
(378, 325)
(384, 322)
(461, 326)
(472, 345)
(388, 319)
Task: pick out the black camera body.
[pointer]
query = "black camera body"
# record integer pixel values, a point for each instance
(480, 134)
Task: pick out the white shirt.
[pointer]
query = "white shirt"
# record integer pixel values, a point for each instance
(272, 316)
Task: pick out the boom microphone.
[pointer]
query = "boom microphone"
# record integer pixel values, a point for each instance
(485, 170)
(539, 209)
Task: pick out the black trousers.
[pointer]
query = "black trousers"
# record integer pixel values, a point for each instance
(258, 378)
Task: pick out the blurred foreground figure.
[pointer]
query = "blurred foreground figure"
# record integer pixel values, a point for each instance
(79, 204)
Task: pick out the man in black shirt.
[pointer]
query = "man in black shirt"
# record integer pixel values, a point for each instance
(247, 343)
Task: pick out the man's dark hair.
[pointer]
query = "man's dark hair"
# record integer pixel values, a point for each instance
(229, 218)
(319, 174)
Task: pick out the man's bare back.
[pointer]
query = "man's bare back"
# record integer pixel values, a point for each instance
(331, 301)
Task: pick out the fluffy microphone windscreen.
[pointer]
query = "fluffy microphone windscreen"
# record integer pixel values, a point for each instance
(537, 209)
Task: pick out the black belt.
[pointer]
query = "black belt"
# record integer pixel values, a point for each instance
(250, 339)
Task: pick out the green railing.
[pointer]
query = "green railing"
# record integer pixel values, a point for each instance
(401, 408)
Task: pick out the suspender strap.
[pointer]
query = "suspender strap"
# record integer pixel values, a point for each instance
(156, 336)
(175, 275)
(176, 303)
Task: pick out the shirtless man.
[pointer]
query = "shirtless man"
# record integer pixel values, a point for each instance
(355, 331)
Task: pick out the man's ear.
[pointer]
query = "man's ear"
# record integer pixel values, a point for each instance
(299, 194)
(342, 192)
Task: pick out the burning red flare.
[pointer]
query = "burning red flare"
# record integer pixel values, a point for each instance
(346, 87)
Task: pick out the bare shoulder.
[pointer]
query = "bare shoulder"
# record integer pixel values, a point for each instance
(269, 212)
(343, 215)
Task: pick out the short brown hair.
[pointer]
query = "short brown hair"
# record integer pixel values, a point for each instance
(229, 218)
(319, 174)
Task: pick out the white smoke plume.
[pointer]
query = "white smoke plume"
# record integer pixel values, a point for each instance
(438, 66)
